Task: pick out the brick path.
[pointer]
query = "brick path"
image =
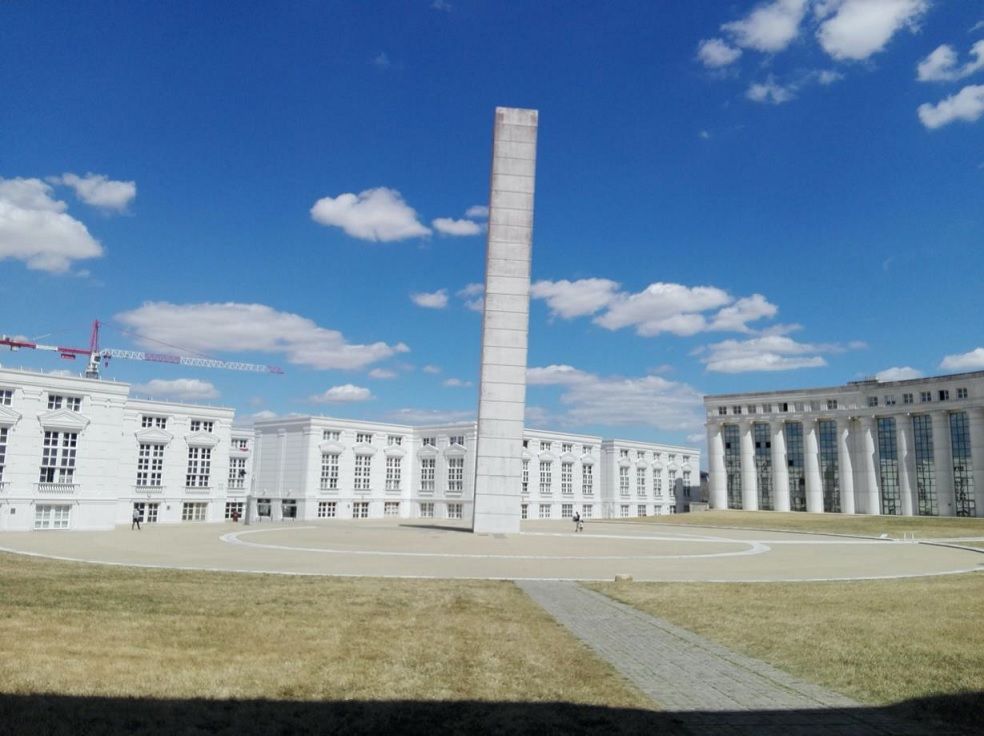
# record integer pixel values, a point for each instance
(684, 672)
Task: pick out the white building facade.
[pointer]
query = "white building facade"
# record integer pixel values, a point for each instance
(910, 448)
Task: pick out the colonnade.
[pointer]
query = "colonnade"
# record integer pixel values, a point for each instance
(857, 462)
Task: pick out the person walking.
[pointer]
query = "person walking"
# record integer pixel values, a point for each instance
(578, 526)
(137, 518)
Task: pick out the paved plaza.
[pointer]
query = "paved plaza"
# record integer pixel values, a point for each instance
(543, 550)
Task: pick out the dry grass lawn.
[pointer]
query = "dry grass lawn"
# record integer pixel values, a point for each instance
(923, 527)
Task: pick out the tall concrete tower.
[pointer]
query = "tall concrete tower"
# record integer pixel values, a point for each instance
(505, 323)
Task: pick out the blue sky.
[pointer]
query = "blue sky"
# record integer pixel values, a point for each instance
(731, 196)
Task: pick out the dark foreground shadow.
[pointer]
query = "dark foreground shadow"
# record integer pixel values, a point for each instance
(437, 527)
(60, 715)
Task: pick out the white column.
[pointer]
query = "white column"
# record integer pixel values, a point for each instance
(845, 465)
(749, 478)
(943, 462)
(811, 467)
(780, 466)
(907, 462)
(869, 467)
(717, 481)
(975, 417)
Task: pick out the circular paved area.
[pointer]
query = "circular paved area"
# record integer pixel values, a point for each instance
(544, 550)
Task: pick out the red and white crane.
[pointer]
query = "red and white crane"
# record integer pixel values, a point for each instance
(97, 355)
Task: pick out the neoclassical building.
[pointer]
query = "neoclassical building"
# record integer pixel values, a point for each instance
(912, 447)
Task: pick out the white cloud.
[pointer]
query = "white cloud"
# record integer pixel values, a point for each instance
(35, 229)
(966, 105)
(556, 375)
(477, 211)
(448, 226)
(208, 328)
(432, 369)
(473, 295)
(457, 383)
(442, 5)
(770, 352)
(378, 214)
(430, 416)
(715, 53)
(856, 29)
(264, 414)
(900, 373)
(704, 134)
(771, 92)
(972, 361)
(828, 76)
(568, 299)
(941, 64)
(735, 317)
(662, 307)
(770, 27)
(99, 190)
(344, 394)
(382, 61)
(382, 374)
(431, 300)
(185, 389)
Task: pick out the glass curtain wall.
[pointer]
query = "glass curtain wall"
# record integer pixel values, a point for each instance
(794, 455)
(963, 471)
(922, 432)
(732, 464)
(763, 464)
(888, 465)
(827, 432)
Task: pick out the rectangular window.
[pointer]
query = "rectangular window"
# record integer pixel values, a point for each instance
(147, 421)
(641, 481)
(193, 511)
(430, 441)
(57, 401)
(394, 469)
(526, 476)
(829, 469)
(3, 450)
(544, 510)
(394, 439)
(52, 516)
(722, 411)
(526, 444)
(567, 511)
(961, 393)
(586, 449)
(736, 409)
(750, 409)
(58, 456)
(640, 454)
(240, 444)
(567, 447)
(657, 483)
(623, 454)
(623, 481)
(686, 484)
(544, 446)
(567, 478)
(831, 404)
(889, 399)
(944, 394)
(524, 511)
(964, 503)
(586, 510)
(148, 511)
(237, 473)
(641, 509)
(766, 408)
(872, 401)
(671, 458)
(925, 396)
(150, 465)
(199, 467)
(360, 510)
(202, 425)
(922, 433)
(327, 509)
(363, 438)
(234, 509)
(391, 508)
(6, 396)
(732, 465)
(331, 435)
(329, 471)
(906, 398)
(623, 511)
(888, 462)
(671, 476)
(457, 439)
(546, 479)
(427, 510)
(456, 474)
(587, 480)
(363, 467)
(454, 510)
(428, 466)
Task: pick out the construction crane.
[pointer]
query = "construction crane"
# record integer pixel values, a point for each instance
(97, 356)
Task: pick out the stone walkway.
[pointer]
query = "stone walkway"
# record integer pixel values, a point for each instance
(718, 688)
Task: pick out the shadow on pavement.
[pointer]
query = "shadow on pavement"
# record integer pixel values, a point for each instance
(62, 715)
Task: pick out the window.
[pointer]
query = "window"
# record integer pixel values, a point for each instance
(888, 463)
(657, 484)
(944, 394)
(430, 441)
(427, 472)
(391, 508)
(623, 454)
(331, 435)
(544, 511)
(641, 481)
(567, 478)
(686, 484)
(567, 447)
(686, 459)
(394, 439)
(524, 511)
(889, 399)
(750, 409)
(363, 466)
(147, 421)
(457, 439)
(586, 449)
(545, 446)
(623, 481)
(567, 511)
(237, 473)
(454, 510)
(6, 396)
(545, 476)
(671, 477)
(587, 480)
(722, 411)
(872, 401)
(363, 438)
(58, 457)
(360, 510)
(526, 444)
(202, 425)
(456, 474)
(51, 516)
(148, 511)
(641, 509)
(766, 408)
(427, 510)
(263, 507)
(193, 511)
(393, 472)
(623, 510)
(329, 471)
(240, 444)
(906, 398)
(72, 403)
(150, 465)
(964, 503)
(586, 511)
(3, 450)
(671, 458)
(736, 410)
(234, 508)
(925, 396)
(640, 454)
(327, 509)
(199, 467)
(961, 394)
(814, 406)
(526, 476)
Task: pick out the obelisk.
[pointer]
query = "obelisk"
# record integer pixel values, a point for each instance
(505, 323)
